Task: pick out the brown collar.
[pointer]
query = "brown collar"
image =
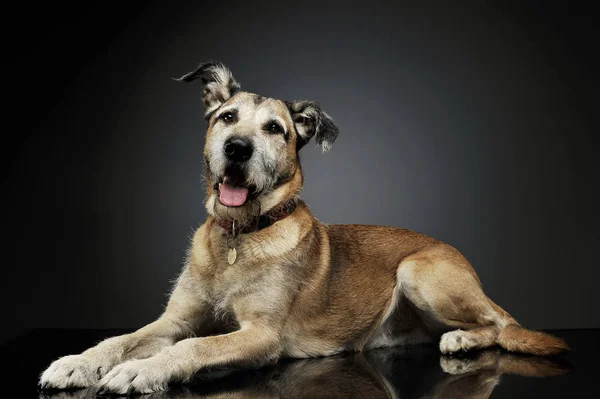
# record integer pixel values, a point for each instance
(260, 222)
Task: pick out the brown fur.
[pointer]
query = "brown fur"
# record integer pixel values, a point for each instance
(517, 339)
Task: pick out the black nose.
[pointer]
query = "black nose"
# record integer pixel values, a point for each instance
(238, 149)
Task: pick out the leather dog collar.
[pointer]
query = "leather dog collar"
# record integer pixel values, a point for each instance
(260, 222)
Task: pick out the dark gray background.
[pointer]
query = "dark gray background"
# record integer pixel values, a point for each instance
(475, 124)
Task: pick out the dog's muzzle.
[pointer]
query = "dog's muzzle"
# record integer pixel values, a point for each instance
(233, 190)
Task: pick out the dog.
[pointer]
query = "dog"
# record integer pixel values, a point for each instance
(265, 279)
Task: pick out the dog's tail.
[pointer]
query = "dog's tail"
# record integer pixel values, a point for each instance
(515, 338)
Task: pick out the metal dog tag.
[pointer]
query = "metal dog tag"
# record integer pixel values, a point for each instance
(231, 256)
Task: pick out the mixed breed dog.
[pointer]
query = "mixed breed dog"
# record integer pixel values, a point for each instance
(265, 279)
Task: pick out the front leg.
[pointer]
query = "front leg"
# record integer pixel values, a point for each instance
(255, 343)
(183, 316)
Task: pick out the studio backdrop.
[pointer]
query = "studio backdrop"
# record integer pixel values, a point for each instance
(474, 124)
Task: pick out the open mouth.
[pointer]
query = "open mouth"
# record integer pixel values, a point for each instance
(233, 190)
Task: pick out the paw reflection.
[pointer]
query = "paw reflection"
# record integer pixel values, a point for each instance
(403, 372)
(477, 361)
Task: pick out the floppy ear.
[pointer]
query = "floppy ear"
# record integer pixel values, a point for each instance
(219, 84)
(310, 120)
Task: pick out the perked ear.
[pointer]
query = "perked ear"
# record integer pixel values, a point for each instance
(219, 84)
(310, 120)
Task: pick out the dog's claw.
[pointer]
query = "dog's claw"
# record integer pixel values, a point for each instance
(131, 391)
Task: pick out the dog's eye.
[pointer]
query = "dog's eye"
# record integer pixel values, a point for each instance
(274, 127)
(227, 117)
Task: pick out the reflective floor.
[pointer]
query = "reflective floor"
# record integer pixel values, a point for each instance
(403, 372)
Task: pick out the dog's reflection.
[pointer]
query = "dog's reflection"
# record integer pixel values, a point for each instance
(403, 372)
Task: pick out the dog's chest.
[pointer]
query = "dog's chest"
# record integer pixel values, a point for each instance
(257, 280)
(245, 287)
(232, 282)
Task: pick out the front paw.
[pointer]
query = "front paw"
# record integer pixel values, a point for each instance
(74, 371)
(135, 376)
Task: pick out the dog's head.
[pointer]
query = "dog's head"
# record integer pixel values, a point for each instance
(252, 144)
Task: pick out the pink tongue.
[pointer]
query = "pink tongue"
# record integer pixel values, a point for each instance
(233, 195)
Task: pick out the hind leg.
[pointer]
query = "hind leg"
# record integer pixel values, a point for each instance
(443, 286)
